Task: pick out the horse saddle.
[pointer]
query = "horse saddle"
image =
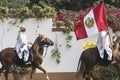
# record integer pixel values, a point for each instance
(19, 61)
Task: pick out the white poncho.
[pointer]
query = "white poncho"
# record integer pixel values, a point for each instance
(22, 46)
(103, 43)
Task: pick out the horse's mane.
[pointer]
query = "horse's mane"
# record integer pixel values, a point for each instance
(35, 46)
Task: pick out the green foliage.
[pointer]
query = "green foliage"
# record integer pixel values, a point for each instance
(3, 12)
(58, 4)
(22, 13)
(14, 3)
(37, 10)
(68, 39)
(43, 11)
(105, 73)
(56, 54)
(20, 70)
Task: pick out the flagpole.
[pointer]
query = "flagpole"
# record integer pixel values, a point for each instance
(110, 39)
(111, 45)
(108, 28)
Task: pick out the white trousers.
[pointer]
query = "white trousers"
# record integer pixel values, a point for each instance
(24, 50)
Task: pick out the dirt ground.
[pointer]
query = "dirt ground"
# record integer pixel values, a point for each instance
(52, 76)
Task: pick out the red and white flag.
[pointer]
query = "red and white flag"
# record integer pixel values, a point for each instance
(94, 22)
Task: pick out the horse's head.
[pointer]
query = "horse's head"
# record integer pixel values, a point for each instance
(116, 42)
(43, 40)
(116, 38)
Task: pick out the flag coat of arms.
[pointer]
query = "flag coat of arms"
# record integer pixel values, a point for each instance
(94, 22)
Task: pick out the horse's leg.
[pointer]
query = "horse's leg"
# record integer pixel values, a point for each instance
(4, 69)
(6, 75)
(0, 75)
(1, 70)
(6, 72)
(42, 69)
(32, 72)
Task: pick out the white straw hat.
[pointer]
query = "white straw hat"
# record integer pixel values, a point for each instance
(23, 27)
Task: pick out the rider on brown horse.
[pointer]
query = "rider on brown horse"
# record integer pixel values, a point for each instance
(22, 45)
(103, 45)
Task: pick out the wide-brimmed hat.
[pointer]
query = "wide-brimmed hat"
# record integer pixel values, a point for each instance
(23, 27)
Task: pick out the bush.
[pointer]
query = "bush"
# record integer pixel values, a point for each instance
(20, 70)
(105, 73)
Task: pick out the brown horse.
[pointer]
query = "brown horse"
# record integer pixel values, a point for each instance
(8, 56)
(90, 57)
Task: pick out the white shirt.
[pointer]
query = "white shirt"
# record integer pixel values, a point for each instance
(22, 44)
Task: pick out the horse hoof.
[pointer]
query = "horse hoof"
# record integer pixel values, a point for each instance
(47, 78)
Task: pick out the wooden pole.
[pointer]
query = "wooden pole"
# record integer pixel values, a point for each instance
(111, 45)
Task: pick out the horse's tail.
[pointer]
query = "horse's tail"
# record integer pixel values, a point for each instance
(81, 64)
(80, 68)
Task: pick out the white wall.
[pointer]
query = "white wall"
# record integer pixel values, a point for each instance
(69, 56)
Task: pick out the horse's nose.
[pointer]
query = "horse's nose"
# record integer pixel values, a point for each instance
(52, 43)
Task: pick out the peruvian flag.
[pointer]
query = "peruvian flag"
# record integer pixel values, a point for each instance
(94, 22)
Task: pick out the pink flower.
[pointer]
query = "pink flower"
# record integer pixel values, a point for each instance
(114, 25)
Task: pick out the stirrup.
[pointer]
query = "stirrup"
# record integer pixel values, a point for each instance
(27, 63)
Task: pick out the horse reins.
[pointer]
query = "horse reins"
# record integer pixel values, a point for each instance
(45, 51)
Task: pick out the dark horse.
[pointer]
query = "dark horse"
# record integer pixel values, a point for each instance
(8, 56)
(90, 57)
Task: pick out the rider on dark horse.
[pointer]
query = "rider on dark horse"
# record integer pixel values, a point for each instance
(22, 45)
(103, 45)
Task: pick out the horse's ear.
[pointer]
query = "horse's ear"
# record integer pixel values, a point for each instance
(40, 36)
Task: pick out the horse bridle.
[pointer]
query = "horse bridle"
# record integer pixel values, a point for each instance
(46, 50)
